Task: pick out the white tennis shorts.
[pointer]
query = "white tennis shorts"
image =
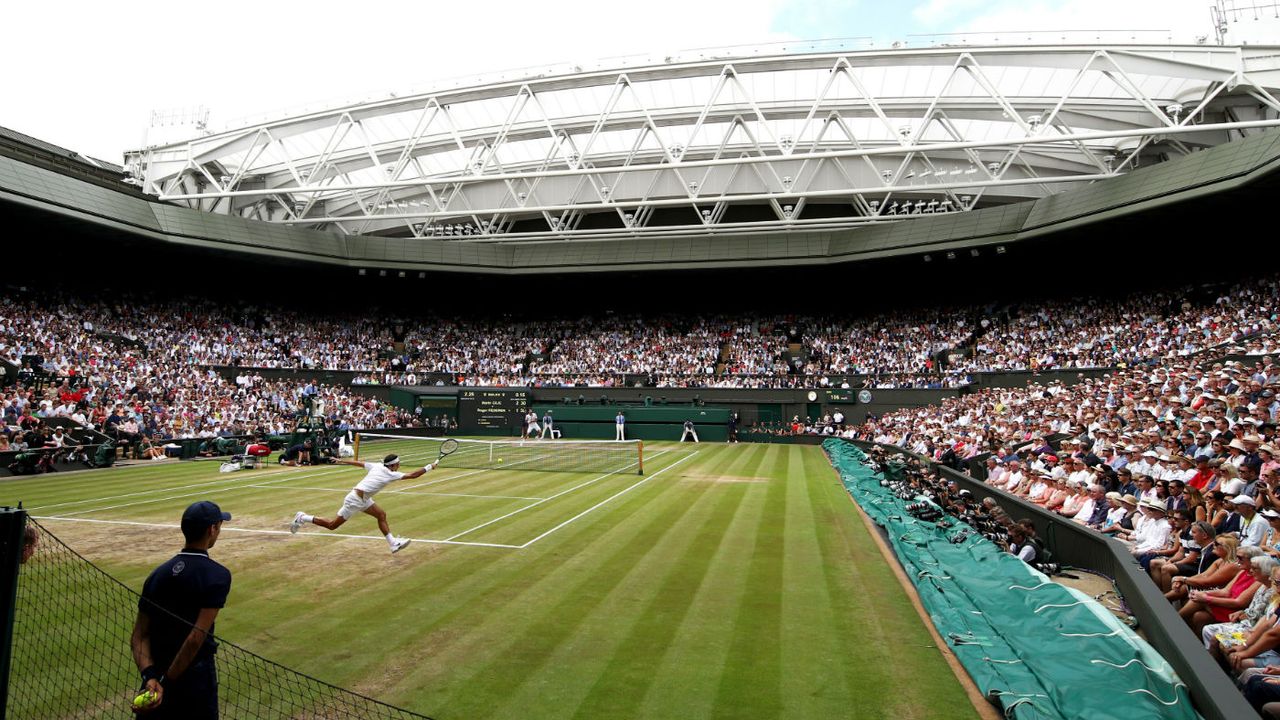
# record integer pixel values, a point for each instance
(353, 504)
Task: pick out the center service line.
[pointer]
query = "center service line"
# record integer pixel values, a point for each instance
(611, 497)
(553, 497)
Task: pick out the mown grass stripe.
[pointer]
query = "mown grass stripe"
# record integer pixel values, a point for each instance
(807, 617)
(750, 683)
(686, 679)
(623, 682)
(876, 619)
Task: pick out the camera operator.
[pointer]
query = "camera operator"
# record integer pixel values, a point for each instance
(1019, 545)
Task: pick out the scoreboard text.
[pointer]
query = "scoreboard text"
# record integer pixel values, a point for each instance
(491, 409)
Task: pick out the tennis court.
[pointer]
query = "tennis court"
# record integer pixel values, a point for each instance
(726, 581)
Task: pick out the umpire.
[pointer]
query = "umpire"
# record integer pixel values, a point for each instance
(172, 637)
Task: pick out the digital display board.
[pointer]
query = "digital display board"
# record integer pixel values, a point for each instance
(492, 409)
(840, 395)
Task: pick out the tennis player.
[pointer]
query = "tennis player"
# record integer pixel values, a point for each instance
(689, 430)
(360, 499)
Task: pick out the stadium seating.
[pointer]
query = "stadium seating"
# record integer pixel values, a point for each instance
(149, 360)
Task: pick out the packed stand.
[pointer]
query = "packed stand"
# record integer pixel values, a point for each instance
(900, 343)
(1061, 334)
(920, 348)
(1085, 333)
(1179, 462)
(633, 345)
(137, 375)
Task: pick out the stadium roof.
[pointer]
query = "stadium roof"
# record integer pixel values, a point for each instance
(740, 146)
(13, 136)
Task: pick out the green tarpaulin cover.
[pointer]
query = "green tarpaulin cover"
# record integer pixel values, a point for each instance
(1034, 647)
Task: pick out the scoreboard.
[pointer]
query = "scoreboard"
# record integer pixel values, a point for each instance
(494, 409)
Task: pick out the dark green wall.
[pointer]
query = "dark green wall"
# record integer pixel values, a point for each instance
(643, 423)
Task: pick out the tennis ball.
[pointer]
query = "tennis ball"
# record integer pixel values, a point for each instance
(499, 459)
(146, 698)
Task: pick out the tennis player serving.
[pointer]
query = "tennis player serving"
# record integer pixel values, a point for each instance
(360, 499)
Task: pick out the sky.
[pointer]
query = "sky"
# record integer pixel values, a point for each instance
(87, 75)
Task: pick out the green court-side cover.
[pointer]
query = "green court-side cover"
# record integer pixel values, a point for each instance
(1036, 648)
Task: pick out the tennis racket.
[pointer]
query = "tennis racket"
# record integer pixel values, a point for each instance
(446, 448)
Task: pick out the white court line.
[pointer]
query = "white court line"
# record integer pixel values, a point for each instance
(611, 497)
(397, 492)
(553, 497)
(227, 528)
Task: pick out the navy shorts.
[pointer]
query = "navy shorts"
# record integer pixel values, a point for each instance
(194, 696)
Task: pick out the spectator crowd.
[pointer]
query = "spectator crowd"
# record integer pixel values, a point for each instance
(941, 348)
(1178, 460)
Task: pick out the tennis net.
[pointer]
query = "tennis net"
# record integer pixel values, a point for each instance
(71, 656)
(597, 456)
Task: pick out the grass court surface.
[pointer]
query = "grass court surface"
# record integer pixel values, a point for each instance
(729, 581)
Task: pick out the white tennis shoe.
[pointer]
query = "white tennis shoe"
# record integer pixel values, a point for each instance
(400, 544)
(297, 523)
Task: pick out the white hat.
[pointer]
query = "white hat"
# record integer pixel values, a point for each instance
(1154, 504)
(1150, 453)
(1244, 500)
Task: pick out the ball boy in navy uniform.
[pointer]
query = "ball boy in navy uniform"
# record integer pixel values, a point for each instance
(172, 636)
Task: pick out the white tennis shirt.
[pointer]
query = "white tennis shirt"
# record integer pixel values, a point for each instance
(379, 477)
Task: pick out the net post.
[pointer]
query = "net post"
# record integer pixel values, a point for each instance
(640, 457)
(355, 447)
(13, 525)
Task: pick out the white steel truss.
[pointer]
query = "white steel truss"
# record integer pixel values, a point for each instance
(802, 142)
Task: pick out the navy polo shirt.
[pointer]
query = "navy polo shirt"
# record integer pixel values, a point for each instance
(183, 586)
